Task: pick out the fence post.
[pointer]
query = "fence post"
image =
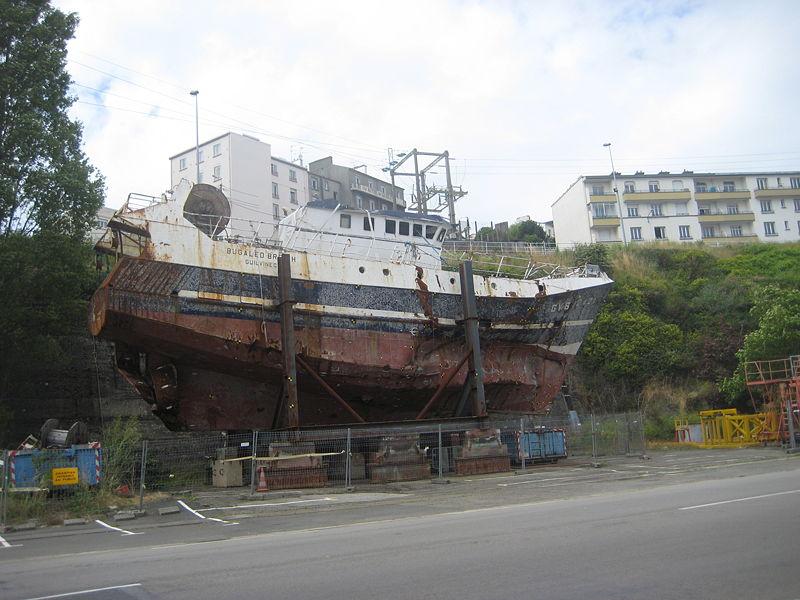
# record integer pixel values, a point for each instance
(440, 451)
(643, 434)
(348, 475)
(521, 440)
(594, 444)
(4, 498)
(253, 455)
(142, 471)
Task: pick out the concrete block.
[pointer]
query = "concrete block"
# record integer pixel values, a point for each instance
(70, 522)
(125, 515)
(169, 510)
(26, 526)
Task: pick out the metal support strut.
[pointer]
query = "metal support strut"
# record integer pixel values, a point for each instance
(286, 298)
(474, 383)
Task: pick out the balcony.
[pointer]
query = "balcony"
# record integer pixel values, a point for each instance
(607, 221)
(605, 197)
(355, 187)
(724, 217)
(719, 240)
(777, 192)
(660, 196)
(725, 195)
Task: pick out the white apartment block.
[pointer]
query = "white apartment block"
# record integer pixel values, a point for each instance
(261, 188)
(687, 207)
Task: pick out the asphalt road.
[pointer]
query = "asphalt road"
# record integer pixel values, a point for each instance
(730, 537)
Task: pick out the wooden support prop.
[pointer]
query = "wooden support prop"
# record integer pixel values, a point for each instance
(448, 377)
(472, 335)
(286, 298)
(305, 366)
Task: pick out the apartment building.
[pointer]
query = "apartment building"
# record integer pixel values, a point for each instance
(262, 188)
(356, 188)
(686, 207)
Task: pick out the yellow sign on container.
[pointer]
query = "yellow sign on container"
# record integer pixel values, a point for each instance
(64, 476)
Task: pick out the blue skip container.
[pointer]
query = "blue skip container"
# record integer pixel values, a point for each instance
(541, 445)
(56, 468)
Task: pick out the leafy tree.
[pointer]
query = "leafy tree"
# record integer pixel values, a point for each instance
(486, 234)
(527, 231)
(593, 254)
(46, 182)
(777, 335)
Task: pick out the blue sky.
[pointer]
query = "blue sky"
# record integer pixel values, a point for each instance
(522, 94)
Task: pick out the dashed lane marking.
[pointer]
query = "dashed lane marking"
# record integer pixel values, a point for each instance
(260, 504)
(92, 591)
(739, 500)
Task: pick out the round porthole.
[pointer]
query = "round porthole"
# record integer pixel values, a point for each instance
(452, 280)
(386, 272)
(360, 269)
(494, 285)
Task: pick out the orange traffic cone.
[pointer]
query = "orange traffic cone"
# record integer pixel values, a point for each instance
(262, 481)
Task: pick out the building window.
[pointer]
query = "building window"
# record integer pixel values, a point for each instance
(383, 190)
(794, 182)
(661, 233)
(292, 175)
(372, 204)
(653, 186)
(216, 149)
(766, 206)
(677, 185)
(358, 180)
(708, 232)
(200, 156)
(733, 209)
(402, 228)
(783, 203)
(293, 196)
(326, 186)
(182, 164)
(344, 221)
(769, 228)
(797, 205)
(761, 182)
(390, 226)
(633, 210)
(369, 224)
(703, 209)
(736, 231)
(314, 184)
(780, 183)
(636, 233)
(655, 210)
(217, 173)
(275, 190)
(630, 187)
(598, 190)
(276, 211)
(728, 186)
(603, 210)
(786, 225)
(274, 169)
(700, 187)
(683, 231)
(417, 230)
(398, 194)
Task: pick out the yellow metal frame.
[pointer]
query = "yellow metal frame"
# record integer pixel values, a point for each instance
(725, 427)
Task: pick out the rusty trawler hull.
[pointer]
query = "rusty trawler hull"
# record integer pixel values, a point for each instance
(202, 346)
(197, 309)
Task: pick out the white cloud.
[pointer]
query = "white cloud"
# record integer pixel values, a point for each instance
(526, 93)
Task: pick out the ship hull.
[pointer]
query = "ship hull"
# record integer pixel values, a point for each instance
(202, 346)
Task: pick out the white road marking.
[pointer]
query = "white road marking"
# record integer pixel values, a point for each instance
(259, 505)
(197, 514)
(92, 591)
(5, 544)
(123, 531)
(739, 500)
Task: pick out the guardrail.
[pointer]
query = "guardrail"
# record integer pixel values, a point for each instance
(481, 247)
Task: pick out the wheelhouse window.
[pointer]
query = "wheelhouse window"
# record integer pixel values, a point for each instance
(369, 224)
(344, 221)
(391, 225)
(430, 231)
(403, 228)
(417, 229)
(442, 233)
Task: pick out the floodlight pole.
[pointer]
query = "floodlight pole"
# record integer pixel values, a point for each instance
(195, 93)
(616, 193)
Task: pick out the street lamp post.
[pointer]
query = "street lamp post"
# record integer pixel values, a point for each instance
(616, 193)
(195, 93)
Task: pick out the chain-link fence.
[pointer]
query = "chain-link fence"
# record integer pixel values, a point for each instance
(51, 484)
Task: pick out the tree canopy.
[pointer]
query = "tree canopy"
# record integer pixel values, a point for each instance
(46, 182)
